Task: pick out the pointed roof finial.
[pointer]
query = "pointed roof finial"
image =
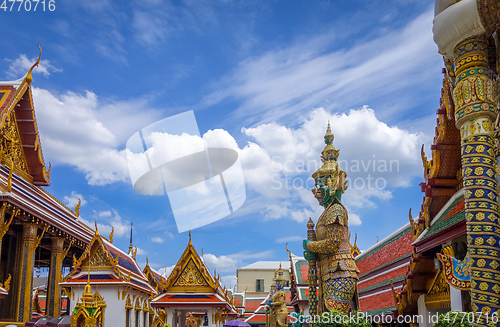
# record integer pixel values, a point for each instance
(329, 135)
(87, 295)
(190, 236)
(147, 261)
(95, 223)
(29, 78)
(130, 246)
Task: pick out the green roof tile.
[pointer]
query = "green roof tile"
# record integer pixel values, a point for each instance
(441, 223)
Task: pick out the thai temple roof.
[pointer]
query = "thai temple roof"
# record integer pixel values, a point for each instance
(29, 171)
(123, 267)
(452, 213)
(17, 95)
(191, 284)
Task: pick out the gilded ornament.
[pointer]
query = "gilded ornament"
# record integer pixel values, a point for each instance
(329, 245)
(77, 208)
(6, 285)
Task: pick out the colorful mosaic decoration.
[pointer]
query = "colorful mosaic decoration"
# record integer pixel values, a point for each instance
(456, 272)
(475, 114)
(338, 293)
(328, 249)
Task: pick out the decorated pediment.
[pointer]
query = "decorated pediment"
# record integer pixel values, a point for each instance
(190, 274)
(99, 258)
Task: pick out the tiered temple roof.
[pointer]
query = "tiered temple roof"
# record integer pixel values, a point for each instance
(190, 284)
(122, 269)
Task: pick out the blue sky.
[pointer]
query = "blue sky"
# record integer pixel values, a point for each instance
(268, 75)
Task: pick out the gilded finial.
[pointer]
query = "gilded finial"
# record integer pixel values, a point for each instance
(377, 238)
(95, 223)
(289, 252)
(29, 78)
(329, 135)
(77, 208)
(190, 236)
(310, 223)
(135, 253)
(87, 295)
(111, 235)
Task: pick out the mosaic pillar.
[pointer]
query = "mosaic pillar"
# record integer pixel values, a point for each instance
(26, 264)
(474, 114)
(312, 273)
(53, 289)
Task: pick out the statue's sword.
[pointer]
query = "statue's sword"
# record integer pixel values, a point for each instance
(313, 275)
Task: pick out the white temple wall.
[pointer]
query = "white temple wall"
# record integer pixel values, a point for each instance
(114, 314)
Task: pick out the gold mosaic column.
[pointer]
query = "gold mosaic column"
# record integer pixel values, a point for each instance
(53, 306)
(26, 264)
(474, 114)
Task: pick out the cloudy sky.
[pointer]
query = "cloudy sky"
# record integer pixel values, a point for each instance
(262, 77)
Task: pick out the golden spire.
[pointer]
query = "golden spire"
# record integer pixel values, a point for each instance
(87, 295)
(29, 78)
(190, 236)
(330, 168)
(131, 246)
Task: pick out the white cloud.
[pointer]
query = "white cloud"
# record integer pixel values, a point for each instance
(289, 239)
(229, 281)
(279, 162)
(20, 66)
(354, 219)
(247, 255)
(106, 222)
(156, 239)
(141, 251)
(169, 234)
(230, 262)
(281, 82)
(106, 213)
(165, 271)
(222, 263)
(72, 200)
(81, 131)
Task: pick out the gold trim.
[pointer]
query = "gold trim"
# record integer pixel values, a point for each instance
(29, 78)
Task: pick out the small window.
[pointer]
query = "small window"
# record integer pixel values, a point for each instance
(137, 315)
(145, 319)
(260, 285)
(127, 317)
